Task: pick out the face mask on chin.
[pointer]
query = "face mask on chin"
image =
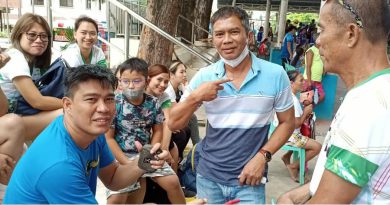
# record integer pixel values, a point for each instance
(235, 62)
(131, 94)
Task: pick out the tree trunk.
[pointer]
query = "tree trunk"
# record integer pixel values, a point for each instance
(202, 18)
(153, 47)
(184, 27)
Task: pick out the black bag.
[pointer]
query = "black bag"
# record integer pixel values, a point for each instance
(49, 84)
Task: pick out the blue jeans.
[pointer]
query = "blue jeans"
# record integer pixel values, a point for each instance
(217, 193)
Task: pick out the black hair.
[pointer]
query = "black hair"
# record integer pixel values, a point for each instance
(134, 64)
(228, 11)
(290, 28)
(81, 19)
(76, 75)
(292, 75)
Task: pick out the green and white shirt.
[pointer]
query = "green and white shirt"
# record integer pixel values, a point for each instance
(73, 57)
(357, 146)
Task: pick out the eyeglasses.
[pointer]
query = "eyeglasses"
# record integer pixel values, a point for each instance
(33, 36)
(126, 82)
(347, 6)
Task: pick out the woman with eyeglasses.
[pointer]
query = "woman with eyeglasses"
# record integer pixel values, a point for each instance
(83, 50)
(30, 56)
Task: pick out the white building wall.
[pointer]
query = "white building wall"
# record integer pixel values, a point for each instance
(65, 15)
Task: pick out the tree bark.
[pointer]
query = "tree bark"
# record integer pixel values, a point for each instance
(153, 47)
(202, 18)
(184, 27)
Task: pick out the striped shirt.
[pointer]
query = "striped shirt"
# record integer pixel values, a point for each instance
(239, 120)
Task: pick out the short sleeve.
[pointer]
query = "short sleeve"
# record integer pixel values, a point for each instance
(283, 99)
(65, 187)
(17, 65)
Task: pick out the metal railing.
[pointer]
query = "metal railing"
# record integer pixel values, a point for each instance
(194, 28)
(151, 26)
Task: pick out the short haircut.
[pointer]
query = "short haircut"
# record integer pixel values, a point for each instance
(157, 69)
(134, 64)
(76, 75)
(374, 14)
(228, 11)
(81, 19)
(174, 65)
(23, 25)
(290, 28)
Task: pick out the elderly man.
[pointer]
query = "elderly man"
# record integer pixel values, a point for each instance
(63, 163)
(353, 166)
(241, 94)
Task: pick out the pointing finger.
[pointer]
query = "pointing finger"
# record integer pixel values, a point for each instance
(221, 81)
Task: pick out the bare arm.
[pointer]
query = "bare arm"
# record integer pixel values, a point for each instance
(114, 147)
(117, 176)
(167, 133)
(3, 103)
(309, 60)
(32, 95)
(282, 132)
(157, 133)
(253, 170)
(334, 190)
(181, 113)
(299, 195)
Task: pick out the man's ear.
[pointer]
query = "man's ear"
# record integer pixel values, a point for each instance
(67, 104)
(353, 34)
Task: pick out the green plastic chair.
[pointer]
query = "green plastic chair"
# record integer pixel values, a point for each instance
(297, 153)
(301, 154)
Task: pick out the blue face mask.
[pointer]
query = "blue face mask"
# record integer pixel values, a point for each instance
(132, 94)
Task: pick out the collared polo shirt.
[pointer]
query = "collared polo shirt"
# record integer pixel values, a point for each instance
(239, 119)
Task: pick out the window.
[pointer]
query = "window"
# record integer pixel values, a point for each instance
(88, 4)
(38, 2)
(66, 3)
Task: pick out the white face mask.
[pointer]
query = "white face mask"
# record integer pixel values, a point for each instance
(131, 94)
(235, 62)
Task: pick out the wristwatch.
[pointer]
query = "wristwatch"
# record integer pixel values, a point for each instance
(267, 154)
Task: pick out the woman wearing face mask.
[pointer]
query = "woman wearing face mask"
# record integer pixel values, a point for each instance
(84, 51)
(177, 83)
(158, 79)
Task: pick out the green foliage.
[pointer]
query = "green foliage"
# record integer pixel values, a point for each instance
(4, 35)
(303, 17)
(69, 35)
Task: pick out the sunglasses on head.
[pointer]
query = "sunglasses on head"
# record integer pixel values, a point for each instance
(347, 6)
